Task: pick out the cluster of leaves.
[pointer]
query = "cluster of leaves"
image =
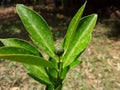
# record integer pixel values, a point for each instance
(50, 71)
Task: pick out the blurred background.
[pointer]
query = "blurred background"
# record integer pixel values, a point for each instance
(100, 69)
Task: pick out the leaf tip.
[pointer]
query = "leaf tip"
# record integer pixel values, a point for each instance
(18, 5)
(85, 3)
(96, 15)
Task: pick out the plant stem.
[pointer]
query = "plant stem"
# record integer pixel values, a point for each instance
(57, 83)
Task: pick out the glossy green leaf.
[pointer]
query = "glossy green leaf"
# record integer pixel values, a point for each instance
(72, 27)
(39, 73)
(37, 79)
(24, 56)
(50, 87)
(75, 63)
(20, 43)
(53, 73)
(13, 50)
(27, 59)
(68, 68)
(64, 72)
(80, 40)
(38, 29)
(59, 87)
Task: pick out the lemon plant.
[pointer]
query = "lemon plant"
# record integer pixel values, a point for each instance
(49, 71)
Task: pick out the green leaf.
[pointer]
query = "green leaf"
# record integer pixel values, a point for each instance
(14, 50)
(64, 72)
(38, 29)
(75, 63)
(20, 43)
(23, 56)
(80, 40)
(49, 87)
(68, 68)
(73, 26)
(53, 73)
(59, 87)
(39, 73)
(27, 59)
(37, 79)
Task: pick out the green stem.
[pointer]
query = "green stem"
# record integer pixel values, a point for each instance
(57, 83)
(52, 88)
(59, 80)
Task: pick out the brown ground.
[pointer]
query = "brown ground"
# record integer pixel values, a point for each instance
(7, 13)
